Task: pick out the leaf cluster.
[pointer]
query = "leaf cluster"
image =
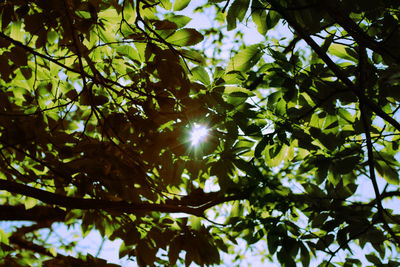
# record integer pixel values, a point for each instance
(97, 100)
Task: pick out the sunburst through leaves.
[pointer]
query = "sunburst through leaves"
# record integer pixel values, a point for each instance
(198, 134)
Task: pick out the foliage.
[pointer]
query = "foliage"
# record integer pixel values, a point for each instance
(98, 97)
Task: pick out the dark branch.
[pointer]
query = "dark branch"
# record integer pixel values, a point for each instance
(225, 6)
(328, 61)
(37, 214)
(381, 211)
(103, 81)
(56, 260)
(24, 244)
(364, 119)
(385, 195)
(340, 15)
(34, 52)
(118, 206)
(346, 243)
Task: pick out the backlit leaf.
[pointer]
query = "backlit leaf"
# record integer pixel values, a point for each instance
(259, 16)
(275, 154)
(4, 237)
(185, 37)
(181, 4)
(388, 172)
(30, 202)
(237, 91)
(245, 59)
(342, 51)
(179, 20)
(193, 56)
(200, 74)
(237, 10)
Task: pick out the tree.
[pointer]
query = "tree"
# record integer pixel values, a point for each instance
(98, 99)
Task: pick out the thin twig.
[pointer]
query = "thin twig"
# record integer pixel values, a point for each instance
(335, 68)
(226, 6)
(362, 87)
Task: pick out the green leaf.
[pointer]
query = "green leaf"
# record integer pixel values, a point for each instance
(200, 74)
(245, 59)
(346, 165)
(96, 107)
(388, 172)
(377, 58)
(262, 144)
(237, 10)
(129, 52)
(305, 255)
(30, 202)
(259, 16)
(18, 56)
(3, 238)
(72, 94)
(53, 251)
(238, 91)
(275, 154)
(185, 37)
(181, 4)
(272, 19)
(373, 259)
(195, 222)
(342, 52)
(237, 209)
(273, 242)
(319, 220)
(327, 43)
(193, 56)
(165, 25)
(166, 4)
(179, 20)
(6, 16)
(123, 250)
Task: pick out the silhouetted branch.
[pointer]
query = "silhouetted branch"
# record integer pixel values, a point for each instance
(328, 61)
(226, 6)
(340, 15)
(346, 243)
(362, 87)
(55, 259)
(37, 213)
(98, 204)
(24, 244)
(93, 77)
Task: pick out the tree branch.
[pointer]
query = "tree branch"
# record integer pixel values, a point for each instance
(37, 213)
(385, 195)
(361, 84)
(86, 204)
(55, 61)
(340, 15)
(225, 6)
(364, 119)
(58, 259)
(24, 244)
(346, 243)
(328, 61)
(34, 52)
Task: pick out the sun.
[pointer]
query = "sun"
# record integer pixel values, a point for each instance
(198, 134)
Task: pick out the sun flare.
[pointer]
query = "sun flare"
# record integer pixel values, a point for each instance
(198, 134)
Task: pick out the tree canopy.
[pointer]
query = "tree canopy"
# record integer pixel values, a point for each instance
(98, 100)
